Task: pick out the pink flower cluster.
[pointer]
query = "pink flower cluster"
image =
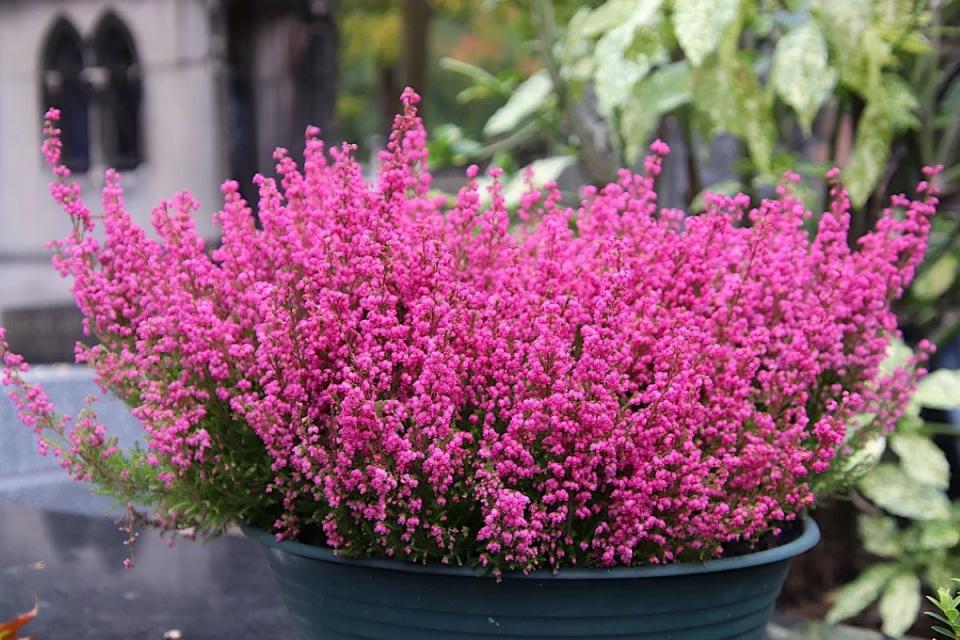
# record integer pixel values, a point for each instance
(613, 384)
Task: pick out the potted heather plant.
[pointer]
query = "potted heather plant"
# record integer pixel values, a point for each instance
(600, 421)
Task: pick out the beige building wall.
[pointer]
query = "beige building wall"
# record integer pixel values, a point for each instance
(181, 128)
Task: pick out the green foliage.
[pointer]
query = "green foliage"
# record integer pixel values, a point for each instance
(937, 279)
(931, 307)
(949, 612)
(758, 71)
(666, 89)
(801, 73)
(900, 603)
(928, 536)
(624, 55)
(699, 25)
(450, 146)
(940, 390)
(729, 97)
(909, 522)
(889, 487)
(921, 460)
(843, 22)
(527, 99)
(866, 449)
(485, 84)
(859, 594)
(607, 17)
(375, 62)
(879, 534)
(870, 151)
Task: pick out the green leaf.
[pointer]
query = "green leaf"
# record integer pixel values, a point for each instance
(921, 459)
(862, 67)
(865, 457)
(899, 101)
(860, 421)
(915, 43)
(910, 421)
(728, 93)
(880, 535)
(614, 75)
(928, 536)
(939, 390)
(843, 22)
(608, 16)
(800, 74)
(477, 74)
(699, 25)
(661, 92)
(528, 98)
(894, 14)
(870, 151)
(891, 489)
(900, 603)
(855, 596)
(898, 356)
(574, 52)
(936, 279)
(625, 54)
(939, 573)
(949, 105)
(474, 93)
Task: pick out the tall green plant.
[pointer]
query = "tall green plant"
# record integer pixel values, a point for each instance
(761, 71)
(907, 520)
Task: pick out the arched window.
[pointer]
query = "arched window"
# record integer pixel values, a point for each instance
(120, 91)
(64, 88)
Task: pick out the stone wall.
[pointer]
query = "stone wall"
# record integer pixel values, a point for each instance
(182, 128)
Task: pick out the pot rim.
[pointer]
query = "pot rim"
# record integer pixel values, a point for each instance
(801, 544)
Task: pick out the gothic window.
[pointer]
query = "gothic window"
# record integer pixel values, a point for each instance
(120, 92)
(63, 87)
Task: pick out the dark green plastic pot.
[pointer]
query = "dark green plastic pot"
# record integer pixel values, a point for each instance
(331, 597)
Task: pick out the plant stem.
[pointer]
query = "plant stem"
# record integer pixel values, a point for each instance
(599, 163)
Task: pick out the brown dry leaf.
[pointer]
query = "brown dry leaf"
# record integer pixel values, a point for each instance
(8, 629)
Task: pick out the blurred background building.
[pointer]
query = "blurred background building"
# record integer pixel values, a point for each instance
(177, 94)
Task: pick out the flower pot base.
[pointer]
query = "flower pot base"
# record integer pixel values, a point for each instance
(332, 598)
